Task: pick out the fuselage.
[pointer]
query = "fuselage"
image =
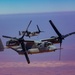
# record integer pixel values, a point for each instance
(34, 48)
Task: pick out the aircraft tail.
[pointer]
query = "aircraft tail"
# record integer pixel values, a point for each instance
(38, 28)
(1, 45)
(19, 32)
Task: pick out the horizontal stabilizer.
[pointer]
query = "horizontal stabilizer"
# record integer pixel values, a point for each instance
(1, 46)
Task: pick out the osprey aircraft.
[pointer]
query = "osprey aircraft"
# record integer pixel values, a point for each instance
(25, 47)
(30, 34)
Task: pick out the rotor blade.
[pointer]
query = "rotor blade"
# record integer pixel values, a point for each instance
(69, 34)
(60, 54)
(60, 49)
(27, 30)
(24, 49)
(55, 29)
(26, 56)
(28, 25)
(9, 37)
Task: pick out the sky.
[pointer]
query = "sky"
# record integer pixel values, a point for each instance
(44, 63)
(17, 14)
(35, 6)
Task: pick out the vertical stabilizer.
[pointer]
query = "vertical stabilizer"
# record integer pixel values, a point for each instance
(1, 45)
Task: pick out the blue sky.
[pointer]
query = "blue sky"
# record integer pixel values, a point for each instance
(35, 6)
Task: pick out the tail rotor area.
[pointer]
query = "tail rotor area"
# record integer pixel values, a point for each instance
(1, 46)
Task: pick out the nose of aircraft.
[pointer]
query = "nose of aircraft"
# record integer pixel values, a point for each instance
(51, 47)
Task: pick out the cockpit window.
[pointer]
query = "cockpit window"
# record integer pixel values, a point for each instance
(47, 44)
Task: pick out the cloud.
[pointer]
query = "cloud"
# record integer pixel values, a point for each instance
(42, 64)
(38, 68)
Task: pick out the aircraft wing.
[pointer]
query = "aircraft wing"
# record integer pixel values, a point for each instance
(31, 41)
(19, 50)
(52, 40)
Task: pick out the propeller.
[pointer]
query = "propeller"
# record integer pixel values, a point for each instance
(26, 32)
(24, 49)
(28, 25)
(60, 36)
(23, 45)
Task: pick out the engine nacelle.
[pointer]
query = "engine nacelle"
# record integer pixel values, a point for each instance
(51, 48)
(12, 42)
